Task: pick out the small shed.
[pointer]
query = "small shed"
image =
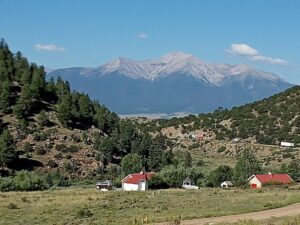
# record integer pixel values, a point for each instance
(226, 184)
(137, 181)
(104, 185)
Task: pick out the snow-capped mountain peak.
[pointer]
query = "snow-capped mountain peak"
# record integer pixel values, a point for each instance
(175, 57)
(180, 63)
(175, 82)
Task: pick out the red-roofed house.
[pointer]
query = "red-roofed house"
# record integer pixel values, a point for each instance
(258, 180)
(137, 181)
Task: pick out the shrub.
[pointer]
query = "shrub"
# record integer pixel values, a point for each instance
(221, 149)
(68, 156)
(84, 213)
(60, 147)
(51, 163)
(24, 181)
(63, 148)
(12, 206)
(40, 151)
(58, 156)
(174, 175)
(27, 147)
(39, 136)
(42, 119)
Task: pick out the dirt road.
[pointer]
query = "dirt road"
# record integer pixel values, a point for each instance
(291, 210)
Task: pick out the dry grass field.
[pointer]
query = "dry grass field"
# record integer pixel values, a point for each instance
(90, 206)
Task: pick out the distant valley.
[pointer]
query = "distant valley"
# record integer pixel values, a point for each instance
(177, 82)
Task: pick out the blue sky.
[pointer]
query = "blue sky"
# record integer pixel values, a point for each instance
(66, 33)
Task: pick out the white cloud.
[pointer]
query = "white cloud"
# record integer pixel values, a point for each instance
(243, 49)
(142, 36)
(253, 54)
(49, 47)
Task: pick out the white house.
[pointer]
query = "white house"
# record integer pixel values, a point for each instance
(137, 181)
(226, 184)
(259, 180)
(287, 144)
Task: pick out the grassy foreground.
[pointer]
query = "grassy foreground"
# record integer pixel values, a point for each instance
(90, 206)
(272, 221)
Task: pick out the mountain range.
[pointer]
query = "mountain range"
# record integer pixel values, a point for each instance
(177, 82)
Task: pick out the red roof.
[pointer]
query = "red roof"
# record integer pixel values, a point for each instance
(274, 178)
(135, 178)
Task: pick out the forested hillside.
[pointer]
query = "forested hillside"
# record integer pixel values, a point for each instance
(268, 121)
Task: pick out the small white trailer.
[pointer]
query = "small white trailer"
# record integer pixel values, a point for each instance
(286, 144)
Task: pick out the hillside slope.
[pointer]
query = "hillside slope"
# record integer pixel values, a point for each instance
(46, 127)
(268, 121)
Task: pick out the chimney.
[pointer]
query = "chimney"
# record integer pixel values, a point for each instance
(142, 171)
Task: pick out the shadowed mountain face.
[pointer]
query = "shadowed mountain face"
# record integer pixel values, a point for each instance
(175, 83)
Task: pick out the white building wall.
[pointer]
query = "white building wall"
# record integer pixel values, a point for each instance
(141, 186)
(254, 180)
(130, 187)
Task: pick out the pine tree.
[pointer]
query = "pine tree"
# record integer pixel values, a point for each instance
(5, 97)
(64, 111)
(84, 107)
(246, 166)
(37, 83)
(62, 88)
(7, 148)
(50, 90)
(24, 104)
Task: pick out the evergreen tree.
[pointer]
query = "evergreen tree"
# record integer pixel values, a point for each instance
(64, 111)
(219, 175)
(22, 73)
(7, 148)
(246, 166)
(131, 163)
(24, 105)
(42, 119)
(294, 170)
(62, 88)
(50, 90)
(37, 83)
(5, 97)
(84, 107)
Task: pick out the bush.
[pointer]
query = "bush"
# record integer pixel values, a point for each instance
(42, 119)
(51, 163)
(63, 148)
(84, 213)
(40, 151)
(173, 176)
(156, 182)
(39, 136)
(58, 156)
(32, 181)
(221, 149)
(24, 181)
(27, 147)
(12, 206)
